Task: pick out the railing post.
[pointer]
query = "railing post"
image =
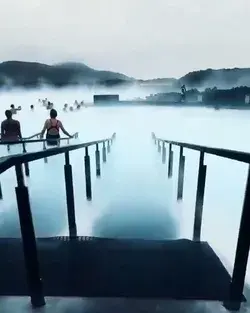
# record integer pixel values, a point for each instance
(1, 192)
(181, 175)
(159, 146)
(24, 148)
(29, 241)
(26, 165)
(87, 175)
(97, 161)
(199, 198)
(108, 146)
(104, 155)
(26, 169)
(170, 161)
(164, 151)
(70, 196)
(44, 148)
(241, 255)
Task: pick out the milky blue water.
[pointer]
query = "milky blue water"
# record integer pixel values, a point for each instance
(134, 197)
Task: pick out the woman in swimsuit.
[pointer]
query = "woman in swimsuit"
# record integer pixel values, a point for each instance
(53, 126)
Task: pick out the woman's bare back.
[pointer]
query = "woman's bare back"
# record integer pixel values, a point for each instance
(53, 126)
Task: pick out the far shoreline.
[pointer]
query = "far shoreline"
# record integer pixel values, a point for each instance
(214, 106)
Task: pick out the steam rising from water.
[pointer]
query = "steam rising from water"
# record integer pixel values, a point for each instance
(134, 198)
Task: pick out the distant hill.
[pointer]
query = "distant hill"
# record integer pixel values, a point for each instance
(209, 78)
(30, 74)
(221, 78)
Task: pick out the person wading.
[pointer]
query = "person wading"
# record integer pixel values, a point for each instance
(10, 128)
(53, 126)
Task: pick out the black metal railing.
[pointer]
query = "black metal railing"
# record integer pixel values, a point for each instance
(29, 140)
(243, 243)
(24, 143)
(23, 203)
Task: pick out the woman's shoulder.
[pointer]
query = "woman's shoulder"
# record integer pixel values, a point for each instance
(48, 121)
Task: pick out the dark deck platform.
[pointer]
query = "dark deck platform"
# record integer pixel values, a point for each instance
(94, 267)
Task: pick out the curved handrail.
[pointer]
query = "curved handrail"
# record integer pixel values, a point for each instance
(12, 160)
(33, 136)
(27, 140)
(224, 153)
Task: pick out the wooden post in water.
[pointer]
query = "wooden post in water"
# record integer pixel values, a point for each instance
(97, 161)
(181, 175)
(199, 198)
(87, 175)
(70, 197)
(104, 155)
(164, 152)
(29, 241)
(241, 255)
(170, 161)
(108, 146)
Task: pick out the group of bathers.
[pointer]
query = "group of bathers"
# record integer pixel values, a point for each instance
(11, 129)
(50, 105)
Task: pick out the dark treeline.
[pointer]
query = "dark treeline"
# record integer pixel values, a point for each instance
(114, 82)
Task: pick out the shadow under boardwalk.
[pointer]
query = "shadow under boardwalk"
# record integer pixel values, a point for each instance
(99, 267)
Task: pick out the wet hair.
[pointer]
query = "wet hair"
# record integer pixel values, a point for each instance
(53, 113)
(8, 114)
(32, 106)
(12, 106)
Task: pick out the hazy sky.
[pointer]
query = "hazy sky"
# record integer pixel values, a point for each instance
(141, 38)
